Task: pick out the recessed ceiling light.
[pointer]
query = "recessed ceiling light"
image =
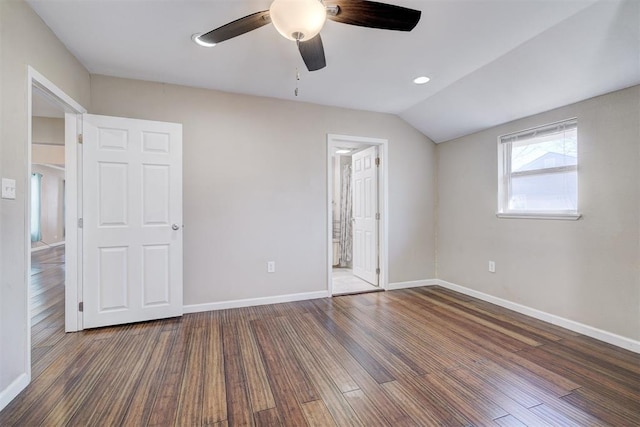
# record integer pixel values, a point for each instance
(421, 80)
(343, 151)
(196, 38)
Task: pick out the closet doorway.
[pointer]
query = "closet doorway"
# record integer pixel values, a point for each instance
(357, 214)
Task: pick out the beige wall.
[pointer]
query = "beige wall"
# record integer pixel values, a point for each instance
(255, 186)
(47, 154)
(24, 41)
(47, 136)
(587, 270)
(47, 130)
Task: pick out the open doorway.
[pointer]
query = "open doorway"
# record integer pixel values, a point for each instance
(53, 231)
(357, 215)
(47, 225)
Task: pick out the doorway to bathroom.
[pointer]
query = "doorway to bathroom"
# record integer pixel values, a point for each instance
(357, 214)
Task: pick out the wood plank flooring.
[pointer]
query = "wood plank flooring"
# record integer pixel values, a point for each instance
(418, 357)
(47, 306)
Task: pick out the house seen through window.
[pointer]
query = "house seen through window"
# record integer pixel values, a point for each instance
(539, 170)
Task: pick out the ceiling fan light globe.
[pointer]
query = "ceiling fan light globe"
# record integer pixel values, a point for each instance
(298, 19)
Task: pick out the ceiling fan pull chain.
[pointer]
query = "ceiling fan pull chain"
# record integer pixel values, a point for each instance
(297, 80)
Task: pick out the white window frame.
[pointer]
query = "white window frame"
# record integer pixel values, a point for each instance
(505, 173)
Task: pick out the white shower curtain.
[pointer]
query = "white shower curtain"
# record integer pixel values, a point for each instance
(36, 191)
(345, 218)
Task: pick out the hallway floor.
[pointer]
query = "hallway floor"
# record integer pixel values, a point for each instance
(344, 282)
(47, 306)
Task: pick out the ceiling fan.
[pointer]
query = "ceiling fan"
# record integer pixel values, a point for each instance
(302, 20)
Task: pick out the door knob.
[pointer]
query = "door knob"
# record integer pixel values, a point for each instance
(175, 227)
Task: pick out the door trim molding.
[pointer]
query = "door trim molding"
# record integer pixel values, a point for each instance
(336, 140)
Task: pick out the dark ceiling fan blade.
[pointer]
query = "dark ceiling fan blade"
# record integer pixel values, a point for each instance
(373, 14)
(237, 27)
(312, 53)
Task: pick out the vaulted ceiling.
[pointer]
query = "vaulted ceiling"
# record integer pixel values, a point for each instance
(490, 61)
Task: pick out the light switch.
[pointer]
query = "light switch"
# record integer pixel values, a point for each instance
(8, 188)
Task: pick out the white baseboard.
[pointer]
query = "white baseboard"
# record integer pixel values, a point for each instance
(250, 302)
(590, 331)
(47, 246)
(9, 393)
(581, 328)
(411, 284)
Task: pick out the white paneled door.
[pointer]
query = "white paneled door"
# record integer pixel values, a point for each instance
(132, 220)
(365, 208)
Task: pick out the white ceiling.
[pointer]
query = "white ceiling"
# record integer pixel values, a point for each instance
(490, 61)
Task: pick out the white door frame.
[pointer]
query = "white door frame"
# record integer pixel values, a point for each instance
(334, 141)
(73, 318)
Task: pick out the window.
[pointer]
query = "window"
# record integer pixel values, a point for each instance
(538, 174)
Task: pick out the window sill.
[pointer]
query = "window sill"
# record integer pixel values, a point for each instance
(554, 216)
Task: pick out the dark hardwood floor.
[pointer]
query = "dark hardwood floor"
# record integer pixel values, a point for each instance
(425, 356)
(47, 305)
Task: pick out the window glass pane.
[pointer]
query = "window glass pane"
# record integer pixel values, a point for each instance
(548, 151)
(544, 192)
(540, 170)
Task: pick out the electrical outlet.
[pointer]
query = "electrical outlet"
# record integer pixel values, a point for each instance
(271, 266)
(492, 266)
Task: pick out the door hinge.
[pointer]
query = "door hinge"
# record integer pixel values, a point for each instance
(378, 215)
(377, 271)
(81, 306)
(80, 222)
(80, 138)
(377, 161)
